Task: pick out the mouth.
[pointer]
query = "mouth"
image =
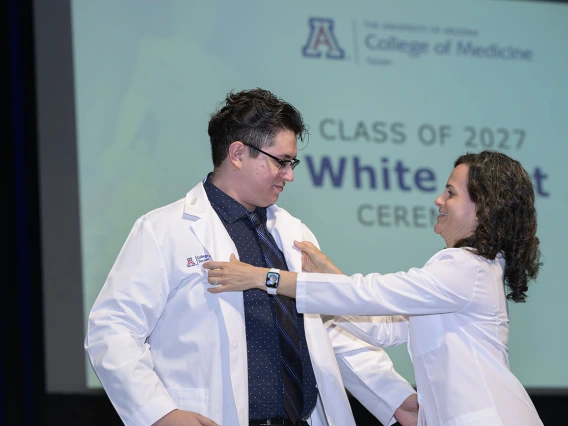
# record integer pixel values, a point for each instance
(442, 214)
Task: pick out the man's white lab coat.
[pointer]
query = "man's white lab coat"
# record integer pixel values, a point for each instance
(159, 341)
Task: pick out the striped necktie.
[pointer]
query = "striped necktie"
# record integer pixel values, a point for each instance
(285, 323)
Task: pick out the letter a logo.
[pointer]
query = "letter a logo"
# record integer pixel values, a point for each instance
(322, 40)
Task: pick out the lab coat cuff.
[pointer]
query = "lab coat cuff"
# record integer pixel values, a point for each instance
(395, 398)
(389, 401)
(301, 292)
(152, 411)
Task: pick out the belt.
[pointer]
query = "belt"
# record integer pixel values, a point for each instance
(275, 422)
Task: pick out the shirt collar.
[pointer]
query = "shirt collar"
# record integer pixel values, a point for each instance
(227, 207)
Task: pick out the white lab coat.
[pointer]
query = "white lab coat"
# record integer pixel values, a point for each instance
(457, 332)
(159, 341)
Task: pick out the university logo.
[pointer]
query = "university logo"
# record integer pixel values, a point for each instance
(199, 259)
(322, 40)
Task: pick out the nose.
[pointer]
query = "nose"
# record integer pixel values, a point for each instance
(439, 201)
(287, 173)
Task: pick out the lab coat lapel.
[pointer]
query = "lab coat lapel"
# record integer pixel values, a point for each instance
(285, 229)
(212, 234)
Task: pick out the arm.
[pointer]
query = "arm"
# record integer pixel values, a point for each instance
(445, 285)
(184, 418)
(367, 372)
(127, 309)
(379, 331)
(369, 375)
(239, 276)
(368, 380)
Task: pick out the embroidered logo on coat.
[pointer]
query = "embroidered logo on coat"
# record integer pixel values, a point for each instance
(199, 259)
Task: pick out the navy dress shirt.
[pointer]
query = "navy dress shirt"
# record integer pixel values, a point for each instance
(266, 389)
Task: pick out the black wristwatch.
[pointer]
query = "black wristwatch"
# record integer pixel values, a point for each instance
(272, 280)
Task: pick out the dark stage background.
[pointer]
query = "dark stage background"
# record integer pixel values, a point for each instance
(24, 399)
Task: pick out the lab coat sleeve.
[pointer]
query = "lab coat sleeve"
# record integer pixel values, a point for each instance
(382, 332)
(127, 309)
(367, 371)
(446, 284)
(369, 375)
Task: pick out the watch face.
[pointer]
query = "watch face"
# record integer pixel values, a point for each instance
(272, 279)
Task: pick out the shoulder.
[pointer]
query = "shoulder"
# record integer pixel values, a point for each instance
(195, 201)
(282, 217)
(456, 256)
(165, 213)
(277, 211)
(463, 261)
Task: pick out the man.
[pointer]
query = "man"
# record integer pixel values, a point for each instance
(170, 353)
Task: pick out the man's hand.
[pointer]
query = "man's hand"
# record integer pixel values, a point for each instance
(407, 413)
(184, 418)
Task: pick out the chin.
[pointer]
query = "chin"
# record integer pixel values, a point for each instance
(267, 203)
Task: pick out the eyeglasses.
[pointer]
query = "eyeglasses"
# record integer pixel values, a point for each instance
(282, 164)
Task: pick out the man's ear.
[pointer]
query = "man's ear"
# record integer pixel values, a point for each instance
(236, 152)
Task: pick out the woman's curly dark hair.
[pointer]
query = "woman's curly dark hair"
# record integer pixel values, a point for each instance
(504, 198)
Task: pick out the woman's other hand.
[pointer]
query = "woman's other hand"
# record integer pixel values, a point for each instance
(313, 260)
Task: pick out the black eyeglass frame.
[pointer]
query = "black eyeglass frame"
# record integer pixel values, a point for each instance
(282, 163)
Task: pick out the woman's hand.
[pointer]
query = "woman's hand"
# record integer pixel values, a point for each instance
(407, 413)
(313, 260)
(234, 276)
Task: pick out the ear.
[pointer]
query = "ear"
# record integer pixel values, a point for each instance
(236, 151)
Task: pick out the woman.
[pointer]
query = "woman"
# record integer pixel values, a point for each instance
(454, 309)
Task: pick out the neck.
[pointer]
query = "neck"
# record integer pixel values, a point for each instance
(228, 182)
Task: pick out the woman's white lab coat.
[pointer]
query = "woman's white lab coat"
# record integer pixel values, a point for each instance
(159, 341)
(457, 332)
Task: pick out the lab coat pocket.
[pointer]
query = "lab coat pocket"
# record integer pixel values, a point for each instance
(191, 399)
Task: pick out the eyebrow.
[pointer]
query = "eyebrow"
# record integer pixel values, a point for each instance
(285, 157)
(288, 157)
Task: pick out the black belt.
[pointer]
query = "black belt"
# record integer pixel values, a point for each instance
(275, 422)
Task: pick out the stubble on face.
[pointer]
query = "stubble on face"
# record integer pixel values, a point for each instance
(262, 183)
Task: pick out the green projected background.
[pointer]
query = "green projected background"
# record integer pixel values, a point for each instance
(392, 91)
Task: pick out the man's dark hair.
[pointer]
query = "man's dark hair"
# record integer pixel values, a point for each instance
(254, 117)
(504, 199)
